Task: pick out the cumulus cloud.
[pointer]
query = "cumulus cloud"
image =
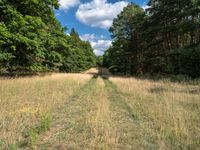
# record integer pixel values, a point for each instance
(66, 4)
(88, 37)
(101, 46)
(99, 13)
(99, 43)
(145, 7)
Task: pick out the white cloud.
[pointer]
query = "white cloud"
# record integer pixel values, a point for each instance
(145, 7)
(99, 13)
(66, 4)
(100, 46)
(91, 37)
(99, 43)
(88, 37)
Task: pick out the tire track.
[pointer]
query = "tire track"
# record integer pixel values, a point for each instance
(104, 131)
(128, 129)
(69, 129)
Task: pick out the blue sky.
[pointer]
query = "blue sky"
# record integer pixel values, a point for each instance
(92, 18)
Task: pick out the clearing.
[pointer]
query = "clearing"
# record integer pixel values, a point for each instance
(87, 111)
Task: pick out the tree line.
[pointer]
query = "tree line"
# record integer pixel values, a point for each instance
(32, 40)
(163, 39)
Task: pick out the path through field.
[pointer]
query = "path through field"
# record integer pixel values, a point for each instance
(95, 111)
(95, 117)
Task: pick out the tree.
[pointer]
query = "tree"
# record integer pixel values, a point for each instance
(127, 45)
(80, 56)
(32, 40)
(164, 39)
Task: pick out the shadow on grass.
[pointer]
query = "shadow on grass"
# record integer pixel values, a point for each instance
(159, 90)
(172, 78)
(105, 74)
(181, 79)
(23, 74)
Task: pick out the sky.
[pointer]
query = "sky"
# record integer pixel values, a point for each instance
(92, 19)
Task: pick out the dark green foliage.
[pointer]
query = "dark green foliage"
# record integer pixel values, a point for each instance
(99, 60)
(186, 61)
(164, 39)
(32, 40)
(80, 56)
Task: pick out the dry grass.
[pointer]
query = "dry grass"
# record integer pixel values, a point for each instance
(70, 129)
(91, 71)
(24, 101)
(84, 123)
(99, 113)
(104, 131)
(168, 113)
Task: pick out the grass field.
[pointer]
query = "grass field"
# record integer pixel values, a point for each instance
(83, 111)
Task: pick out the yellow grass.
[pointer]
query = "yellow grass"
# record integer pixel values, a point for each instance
(105, 133)
(89, 112)
(167, 112)
(24, 100)
(91, 71)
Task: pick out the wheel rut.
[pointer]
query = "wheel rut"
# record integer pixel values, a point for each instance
(95, 117)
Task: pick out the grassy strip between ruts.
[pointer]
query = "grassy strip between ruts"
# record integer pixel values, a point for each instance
(69, 127)
(84, 122)
(125, 119)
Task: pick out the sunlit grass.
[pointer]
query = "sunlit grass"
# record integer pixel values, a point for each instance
(82, 111)
(104, 131)
(167, 113)
(24, 101)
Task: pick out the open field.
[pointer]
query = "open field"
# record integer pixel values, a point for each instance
(82, 111)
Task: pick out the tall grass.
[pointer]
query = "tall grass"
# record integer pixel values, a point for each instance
(24, 101)
(104, 131)
(167, 113)
(76, 111)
